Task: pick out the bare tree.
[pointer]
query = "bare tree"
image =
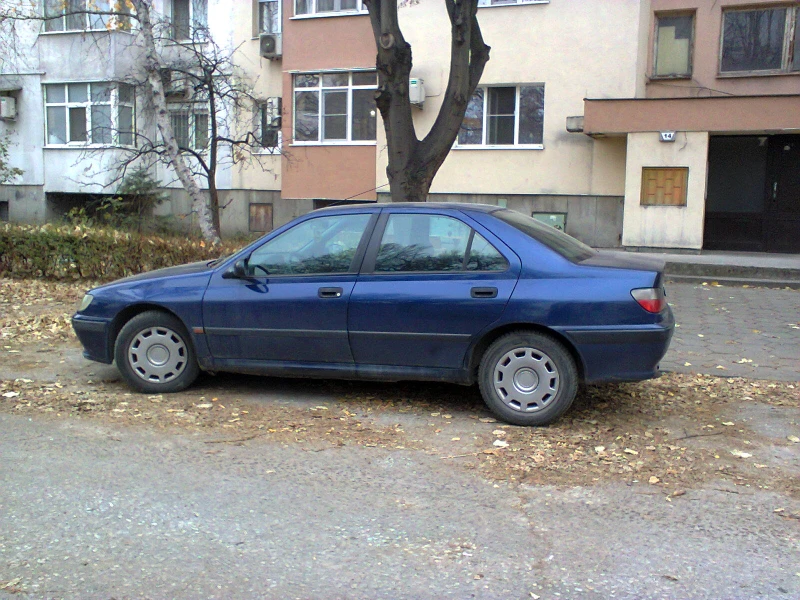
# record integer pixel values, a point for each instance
(413, 163)
(7, 173)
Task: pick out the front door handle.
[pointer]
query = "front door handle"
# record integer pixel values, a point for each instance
(483, 292)
(330, 292)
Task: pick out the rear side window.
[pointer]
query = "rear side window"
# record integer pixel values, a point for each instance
(434, 243)
(565, 245)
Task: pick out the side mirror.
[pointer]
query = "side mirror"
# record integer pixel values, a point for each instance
(237, 271)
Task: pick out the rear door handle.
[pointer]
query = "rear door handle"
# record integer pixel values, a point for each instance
(483, 292)
(330, 292)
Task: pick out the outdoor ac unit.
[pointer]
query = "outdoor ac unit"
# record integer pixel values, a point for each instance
(8, 107)
(416, 91)
(175, 88)
(270, 45)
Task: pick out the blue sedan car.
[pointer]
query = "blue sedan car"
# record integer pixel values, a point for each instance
(461, 293)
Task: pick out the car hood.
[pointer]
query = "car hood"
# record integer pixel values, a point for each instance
(625, 260)
(188, 269)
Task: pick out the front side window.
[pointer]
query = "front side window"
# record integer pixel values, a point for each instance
(90, 113)
(504, 116)
(672, 56)
(322, 7)
(190, 126)
(269, 16)
(189, 18)
(755, 40)
(434, 243)
(335, 107)
(77, 15)
(324, 245)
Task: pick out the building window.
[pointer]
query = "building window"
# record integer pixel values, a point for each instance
(268, 127)
(76, 15)
(504, 116)
(672, 55)
(760, 40)
(510, 2)
(335, 107)
(189, 18)
(269, 16)
(323, 7)
(90, 113)
(190, 127)
(664, 186)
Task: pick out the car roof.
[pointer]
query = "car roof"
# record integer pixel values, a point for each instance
(486, 208)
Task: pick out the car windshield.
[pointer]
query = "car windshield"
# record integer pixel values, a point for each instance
(566, 245)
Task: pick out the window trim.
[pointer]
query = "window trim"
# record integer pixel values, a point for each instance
(515, 146)
(360, 9)
(679, 13)
(262, 105)
(114, 104)
(488, 4)
(347, 141)
(192, 109)
(172, 38)
(789, 34)
(257, 27)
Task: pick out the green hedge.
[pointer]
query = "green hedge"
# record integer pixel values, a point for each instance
(70, 252)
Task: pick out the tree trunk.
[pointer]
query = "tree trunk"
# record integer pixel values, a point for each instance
(413, 163)
(200, 204)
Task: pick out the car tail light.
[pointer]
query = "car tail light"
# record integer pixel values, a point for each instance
(650, 299)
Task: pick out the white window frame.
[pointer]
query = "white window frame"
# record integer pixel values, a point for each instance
(272, 107)
(789, 33)
(259, 22)
(488, 3)
(360, 9)
(192, 109)
(116, 23)
(192, 21)
(667, 15)
(114, 103)
(484, 132)
(320, 89)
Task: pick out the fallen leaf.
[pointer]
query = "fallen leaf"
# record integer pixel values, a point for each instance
(204, 405)
(744, 360)
(740, 454)
(599, 449)
(629, 451)
(654, 480)
(10, 394)
(500, 443)
(499, 433)
(728, 423)
(794, 439)
(687, 364)
(487, 420)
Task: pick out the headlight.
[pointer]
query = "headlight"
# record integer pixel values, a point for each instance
(87, 300)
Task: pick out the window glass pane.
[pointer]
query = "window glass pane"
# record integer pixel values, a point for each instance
(306, 80)
(471, 131)
(180, 19)
(101, 124)
(364, 115)
(75, 19)
(302, 7)
(565, 245)
(126, 125)
(753, 39)
(55, 93)
(334, 124)
(422, 243)
(77, 124)
(365, 78)
(325, 5)
(496, 2)
(53, 8)
(99, 21)
(335, 79)
(200, 14)
(126, 93)
(78, 92)
(269, 17)
(796, 60)
(306, 116)
(180, 128)
(200, 131)
(500, 115)
(673, 45)
(485, 257)
(101, 92)
(531, 114)
(349, 5)
(56, 125)
(321, 245)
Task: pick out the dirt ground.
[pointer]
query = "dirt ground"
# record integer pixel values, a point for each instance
(673, 433)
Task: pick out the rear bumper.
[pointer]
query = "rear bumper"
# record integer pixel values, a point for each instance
(93, 334)
(622, 354)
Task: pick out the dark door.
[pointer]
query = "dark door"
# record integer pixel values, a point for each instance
(429, 284)
(292, 307)
(782, 215)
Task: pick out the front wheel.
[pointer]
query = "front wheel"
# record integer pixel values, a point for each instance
(154, 353)
(528, 378)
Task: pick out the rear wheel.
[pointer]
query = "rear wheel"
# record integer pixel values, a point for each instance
(528, 378)
(154, 353)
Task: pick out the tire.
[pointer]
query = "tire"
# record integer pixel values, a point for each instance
(528, 378)
(154, 353)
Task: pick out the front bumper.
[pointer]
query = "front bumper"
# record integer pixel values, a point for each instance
(94, 335)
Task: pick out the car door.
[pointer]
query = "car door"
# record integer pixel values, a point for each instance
(430, 282)
(289, 303)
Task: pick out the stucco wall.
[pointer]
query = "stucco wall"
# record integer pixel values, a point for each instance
(665, 226)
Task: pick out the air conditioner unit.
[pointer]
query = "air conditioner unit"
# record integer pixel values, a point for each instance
(176, 88)
(8, 107)
(270, 45)
(416, 91)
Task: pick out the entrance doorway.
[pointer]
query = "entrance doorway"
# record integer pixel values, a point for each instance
(753, 196)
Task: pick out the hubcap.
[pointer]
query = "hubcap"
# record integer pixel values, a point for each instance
(526, 379)
(157, 354)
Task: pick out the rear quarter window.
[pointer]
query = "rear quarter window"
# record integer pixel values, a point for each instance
(559, 242)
